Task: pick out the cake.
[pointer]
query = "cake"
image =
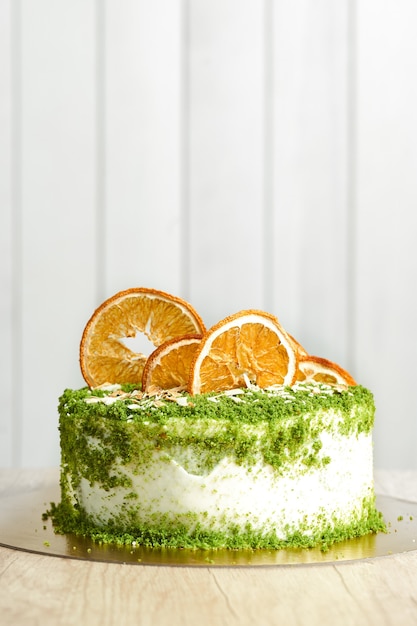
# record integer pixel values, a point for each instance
(255, 444)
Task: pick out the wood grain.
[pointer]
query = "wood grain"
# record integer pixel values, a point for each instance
(51, 590)
(311, 213)
(240, 154)
(58, 246)
(386, 193)
(142, 136)
(226, 126)
(9, 211)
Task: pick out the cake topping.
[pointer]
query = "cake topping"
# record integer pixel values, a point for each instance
(249, 343)
(321, 370)
(247, 349)
(137, 400)
(104, 358)
(169, 365)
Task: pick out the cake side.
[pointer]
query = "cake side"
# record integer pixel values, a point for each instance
(249, 468)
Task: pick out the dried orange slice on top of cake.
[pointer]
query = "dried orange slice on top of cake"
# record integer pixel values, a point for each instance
(169, 365)
(298, 348)
(319, 370)
(158, 316)
(248, 346)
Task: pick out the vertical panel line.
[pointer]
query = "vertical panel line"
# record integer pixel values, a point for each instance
(351, 184)
(100, 212)
(185, 225)
(16, 207)
(268, 157)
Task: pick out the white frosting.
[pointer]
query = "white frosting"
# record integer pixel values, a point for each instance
(235, 494)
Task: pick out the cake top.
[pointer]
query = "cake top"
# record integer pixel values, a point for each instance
(281, 423)
(248, 348)
(129, 403)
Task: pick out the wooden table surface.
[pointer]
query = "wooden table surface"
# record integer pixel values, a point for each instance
(39, 589)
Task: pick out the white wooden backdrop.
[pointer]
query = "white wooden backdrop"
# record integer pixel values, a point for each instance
(238, 153)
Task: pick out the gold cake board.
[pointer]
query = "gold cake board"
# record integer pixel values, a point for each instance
(22, 528)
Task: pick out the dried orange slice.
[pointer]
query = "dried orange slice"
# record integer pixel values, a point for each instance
(248, 345)
(157, 315)
(168, 366)
(314, 368)
(299, 349)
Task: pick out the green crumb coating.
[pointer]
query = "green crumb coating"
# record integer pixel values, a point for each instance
(101, 435)
(172, 535)
(279, 429)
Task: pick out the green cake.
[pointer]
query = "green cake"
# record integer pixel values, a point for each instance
(286, 463)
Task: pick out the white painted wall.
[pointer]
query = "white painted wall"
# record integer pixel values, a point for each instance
(238, 153)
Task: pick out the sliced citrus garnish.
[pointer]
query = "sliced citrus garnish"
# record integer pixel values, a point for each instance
(314, 368)
(299, 349)
(250, 345)
(168, 366)
(157, 315)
